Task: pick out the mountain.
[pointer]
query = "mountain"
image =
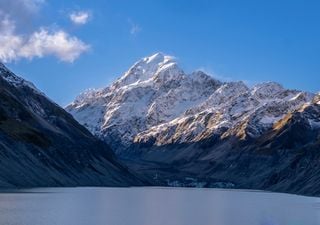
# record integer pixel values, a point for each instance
(181, 129)
(156, 102)
(42, 145)
(284, 158)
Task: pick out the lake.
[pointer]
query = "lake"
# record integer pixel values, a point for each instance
(155, 206)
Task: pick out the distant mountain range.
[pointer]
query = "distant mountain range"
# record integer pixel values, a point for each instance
(182, 129)
(42, 145)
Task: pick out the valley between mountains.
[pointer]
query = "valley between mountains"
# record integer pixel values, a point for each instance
(157, 125)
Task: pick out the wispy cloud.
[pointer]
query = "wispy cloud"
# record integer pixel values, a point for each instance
(134, 27)
(38, 42)
(80, 17)
(30, 5)
(225, 78)
(20, 9)
(215, 75)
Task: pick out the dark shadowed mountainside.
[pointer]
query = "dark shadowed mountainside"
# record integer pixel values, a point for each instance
(42, 145)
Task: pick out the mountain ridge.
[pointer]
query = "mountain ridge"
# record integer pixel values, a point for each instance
(156, 95)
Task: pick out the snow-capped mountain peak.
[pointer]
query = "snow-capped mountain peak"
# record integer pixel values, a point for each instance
(158, 58)
(156, 101)
(146, 68)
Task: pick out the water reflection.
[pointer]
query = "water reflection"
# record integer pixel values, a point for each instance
(155, 206)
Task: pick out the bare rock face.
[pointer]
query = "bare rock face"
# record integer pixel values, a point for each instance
(42, 145)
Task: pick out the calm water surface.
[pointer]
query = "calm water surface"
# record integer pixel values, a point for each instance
(155, 206)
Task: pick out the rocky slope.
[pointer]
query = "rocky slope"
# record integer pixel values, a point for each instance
(42, 145)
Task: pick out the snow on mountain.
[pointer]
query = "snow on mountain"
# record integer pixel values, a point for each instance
(156, 101)
(317, 99)
(21, 83)
(15, 80)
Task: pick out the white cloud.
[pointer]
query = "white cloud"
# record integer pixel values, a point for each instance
(38, 44)
(20, 39)
(79, 18)
(58, 43)
(9, 43)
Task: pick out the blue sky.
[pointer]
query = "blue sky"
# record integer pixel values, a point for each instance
(253, 41)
